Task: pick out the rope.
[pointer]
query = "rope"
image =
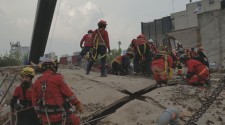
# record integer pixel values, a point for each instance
(54, 26)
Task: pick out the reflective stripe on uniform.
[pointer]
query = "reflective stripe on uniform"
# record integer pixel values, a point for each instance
(202, 71)
(140, 51)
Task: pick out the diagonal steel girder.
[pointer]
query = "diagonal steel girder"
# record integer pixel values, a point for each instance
(42, 24)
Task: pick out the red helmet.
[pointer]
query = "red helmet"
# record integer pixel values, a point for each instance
(141, 36)
(102, 22)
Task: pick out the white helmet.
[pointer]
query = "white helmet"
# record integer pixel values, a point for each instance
(150, 41)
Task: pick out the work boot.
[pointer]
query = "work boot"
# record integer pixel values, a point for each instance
(103, 75)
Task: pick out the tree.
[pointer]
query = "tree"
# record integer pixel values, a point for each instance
(9, 61)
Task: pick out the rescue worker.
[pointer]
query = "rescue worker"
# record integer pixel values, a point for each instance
(169, 117)
(179, 46)
(153, 48)
(161, 68)
(121, 64)
(193, 53)
(197, 73)
(100, 40)
(86, 40)
(52, 98)
(202, 57)
(142, 56)
(26, 114)
(188, 53)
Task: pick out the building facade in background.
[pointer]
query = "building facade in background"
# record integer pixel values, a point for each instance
(19, 52)
(201, 24)
(188, 18)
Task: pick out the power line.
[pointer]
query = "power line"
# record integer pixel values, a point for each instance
(54, 26)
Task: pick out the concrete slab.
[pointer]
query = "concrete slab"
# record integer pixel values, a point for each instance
(134, 113)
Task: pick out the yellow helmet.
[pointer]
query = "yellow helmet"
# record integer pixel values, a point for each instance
(27, 72)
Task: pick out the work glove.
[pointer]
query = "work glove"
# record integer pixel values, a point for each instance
(79, 107)
(18, 107)
(109, 51)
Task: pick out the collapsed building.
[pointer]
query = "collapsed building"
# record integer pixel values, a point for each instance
(201, 24)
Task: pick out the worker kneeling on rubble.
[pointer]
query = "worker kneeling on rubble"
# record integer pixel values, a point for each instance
(121, 64)
(161, 68)
(197, 73)
(25, 112)
(52, 98)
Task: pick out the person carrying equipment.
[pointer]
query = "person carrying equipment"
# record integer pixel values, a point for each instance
(100, 41)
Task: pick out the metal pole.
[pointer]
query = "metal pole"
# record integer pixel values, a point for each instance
(3, 80)
(8, 88)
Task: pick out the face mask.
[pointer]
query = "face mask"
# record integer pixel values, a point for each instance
(26, 85)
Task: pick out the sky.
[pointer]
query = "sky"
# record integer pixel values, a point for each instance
(73, 18)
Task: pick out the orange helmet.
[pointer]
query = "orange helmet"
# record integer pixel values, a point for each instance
(141, 36)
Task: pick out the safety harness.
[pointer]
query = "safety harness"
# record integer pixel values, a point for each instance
(167, 70)
(139, 52)
(96, 46)
(48, 109)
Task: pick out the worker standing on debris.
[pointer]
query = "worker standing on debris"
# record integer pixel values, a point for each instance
(86, 40)
(100, 41)
(52, 98)
(142, 56)
(169, 117)
(197, 73)
(161, 68)
(121, 64)
(26, 114)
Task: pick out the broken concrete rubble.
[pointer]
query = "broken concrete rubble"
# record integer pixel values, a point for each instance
(97, 93)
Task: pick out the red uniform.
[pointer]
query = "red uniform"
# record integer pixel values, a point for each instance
(160, 73)
(137, 42)
(96, 38)
(19, 93)
(27, 116)
(55, 94)
(86, 40)
(197, 72)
